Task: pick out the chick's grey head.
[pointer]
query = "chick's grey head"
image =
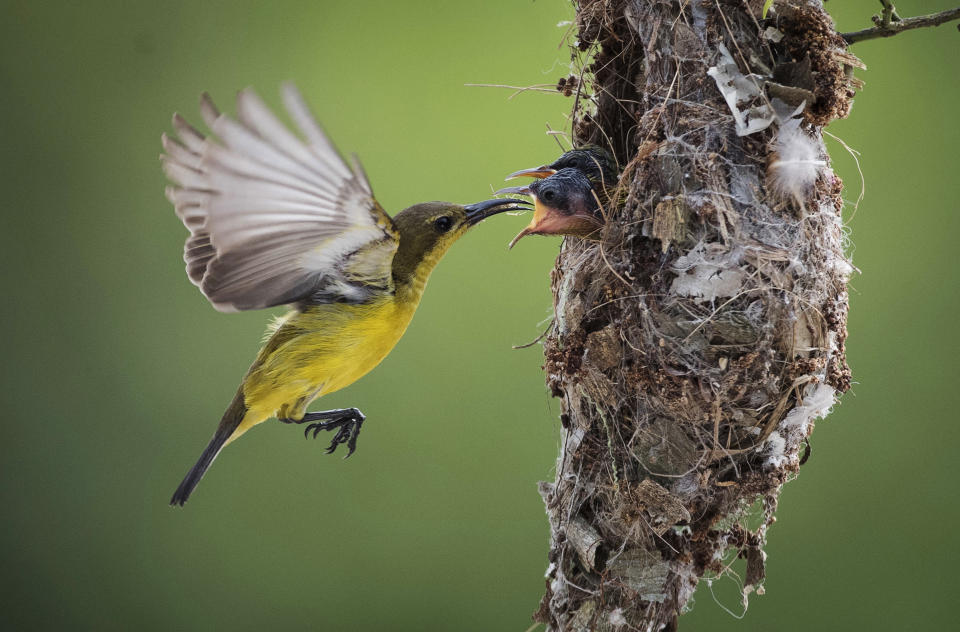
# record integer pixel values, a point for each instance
(564, 204)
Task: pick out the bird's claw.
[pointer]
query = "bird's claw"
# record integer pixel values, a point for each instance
(348, 429)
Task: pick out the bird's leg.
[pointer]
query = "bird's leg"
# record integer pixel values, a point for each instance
(347, 422)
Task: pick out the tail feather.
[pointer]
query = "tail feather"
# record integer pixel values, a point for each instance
(228, 425)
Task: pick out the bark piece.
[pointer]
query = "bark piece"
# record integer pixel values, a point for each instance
(669, 222)
(587, 542)
(643, 572)
(665, 509)
(603, 348)
(663, 449)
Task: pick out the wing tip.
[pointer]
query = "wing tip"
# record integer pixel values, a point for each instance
(169, 144)
(288, 89)
(187, 133)
(247, 97)
(361, 174)
(208, 109)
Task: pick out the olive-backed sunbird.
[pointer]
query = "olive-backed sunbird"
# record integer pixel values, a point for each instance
(279, 220)
(568, 193)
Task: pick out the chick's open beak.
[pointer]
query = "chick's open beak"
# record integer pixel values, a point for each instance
(480, 211)
(548, 220)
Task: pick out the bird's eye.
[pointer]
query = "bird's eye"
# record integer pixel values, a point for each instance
(548, 195)
(443, 223)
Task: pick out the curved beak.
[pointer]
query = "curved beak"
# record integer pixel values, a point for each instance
(542, 171)
(480, 211)
(548, 220)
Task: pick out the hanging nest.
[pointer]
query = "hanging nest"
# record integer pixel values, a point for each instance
(699, 338)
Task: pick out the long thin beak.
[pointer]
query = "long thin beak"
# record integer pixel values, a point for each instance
(480, 211)
(542, 171)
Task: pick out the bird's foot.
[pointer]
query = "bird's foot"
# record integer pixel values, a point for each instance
(346, 421)
(347, 427)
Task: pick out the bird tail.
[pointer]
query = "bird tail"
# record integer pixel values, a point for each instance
(231, 420)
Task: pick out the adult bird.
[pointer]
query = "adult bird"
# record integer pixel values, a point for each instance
(569, 193)
(279, 220)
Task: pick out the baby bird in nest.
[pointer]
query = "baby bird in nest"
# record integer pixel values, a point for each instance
(569, 193)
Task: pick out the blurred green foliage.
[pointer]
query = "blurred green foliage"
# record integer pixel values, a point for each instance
(117, 369)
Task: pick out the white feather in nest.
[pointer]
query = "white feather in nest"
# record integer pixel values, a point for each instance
(795, 162)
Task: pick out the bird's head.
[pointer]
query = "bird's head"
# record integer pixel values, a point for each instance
(427, 230)
(564, 204)
(568, 192)
(594, 162)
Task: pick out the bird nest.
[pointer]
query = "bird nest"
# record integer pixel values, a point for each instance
(697, 340)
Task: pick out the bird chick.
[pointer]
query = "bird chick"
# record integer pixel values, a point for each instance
(569, 193)
(564, 204)
(595, 162)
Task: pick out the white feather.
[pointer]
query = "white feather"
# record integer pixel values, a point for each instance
(817, 401)
(796, 162)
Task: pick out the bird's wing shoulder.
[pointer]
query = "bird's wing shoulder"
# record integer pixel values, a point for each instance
(274, 218)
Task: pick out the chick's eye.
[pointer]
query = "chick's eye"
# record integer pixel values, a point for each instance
(548, 195)
(443, 224)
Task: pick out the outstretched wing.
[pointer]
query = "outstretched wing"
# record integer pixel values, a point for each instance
(275, 219)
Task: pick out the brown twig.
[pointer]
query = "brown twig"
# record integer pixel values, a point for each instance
(537, 339)
(890, 27)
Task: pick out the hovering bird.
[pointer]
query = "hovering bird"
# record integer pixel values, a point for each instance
(279, 220)
(569, 192)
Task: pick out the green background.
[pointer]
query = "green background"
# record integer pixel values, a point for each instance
(117, 369)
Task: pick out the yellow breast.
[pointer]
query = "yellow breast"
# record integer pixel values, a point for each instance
(319, 351)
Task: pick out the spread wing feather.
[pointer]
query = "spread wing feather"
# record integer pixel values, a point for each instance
(273, 218)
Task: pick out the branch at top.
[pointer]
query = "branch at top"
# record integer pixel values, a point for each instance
(889, 13)
(889, 28)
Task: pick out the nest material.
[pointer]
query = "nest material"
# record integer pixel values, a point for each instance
(697, 341)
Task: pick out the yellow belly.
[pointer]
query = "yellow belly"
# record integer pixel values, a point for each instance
(319, 351)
